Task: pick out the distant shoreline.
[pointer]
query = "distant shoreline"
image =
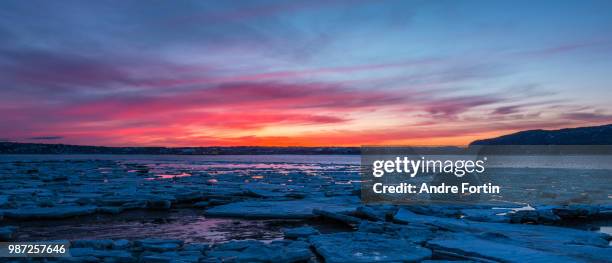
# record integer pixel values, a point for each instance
(41, 148)
(594, 135)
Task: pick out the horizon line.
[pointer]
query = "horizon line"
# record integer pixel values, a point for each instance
(236, 146)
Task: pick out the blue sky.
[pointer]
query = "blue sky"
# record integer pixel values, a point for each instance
(300, 72)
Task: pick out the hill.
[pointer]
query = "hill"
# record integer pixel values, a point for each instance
(594, 135)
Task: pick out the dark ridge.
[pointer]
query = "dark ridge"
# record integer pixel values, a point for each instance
(41, 148)
(594, 135)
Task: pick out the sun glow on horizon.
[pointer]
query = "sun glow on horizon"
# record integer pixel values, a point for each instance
(315, 74)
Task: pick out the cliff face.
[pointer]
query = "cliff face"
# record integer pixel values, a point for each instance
(595, 135)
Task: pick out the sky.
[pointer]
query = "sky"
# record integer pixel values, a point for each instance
(300, 73)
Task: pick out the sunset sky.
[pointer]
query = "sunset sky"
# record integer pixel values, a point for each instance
(312, 73)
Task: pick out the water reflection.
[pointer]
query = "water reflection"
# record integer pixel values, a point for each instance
(182, 224)
(168, 176)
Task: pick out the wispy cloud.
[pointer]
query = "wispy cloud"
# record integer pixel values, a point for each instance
(589, 116)
(298, 73)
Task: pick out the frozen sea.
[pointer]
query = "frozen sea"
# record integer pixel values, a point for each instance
(50, 181)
